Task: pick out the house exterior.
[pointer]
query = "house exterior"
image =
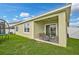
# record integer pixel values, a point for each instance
(50, 27)
(12, 27)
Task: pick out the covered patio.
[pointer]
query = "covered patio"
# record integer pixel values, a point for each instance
(47, 29)
(51, 28)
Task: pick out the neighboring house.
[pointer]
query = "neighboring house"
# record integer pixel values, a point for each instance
(50, 27)
(12, 27)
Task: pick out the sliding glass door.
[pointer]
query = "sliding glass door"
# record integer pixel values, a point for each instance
(51, 30)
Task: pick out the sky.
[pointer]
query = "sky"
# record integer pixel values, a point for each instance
(20, 11)
(13, 12)
(74, 16)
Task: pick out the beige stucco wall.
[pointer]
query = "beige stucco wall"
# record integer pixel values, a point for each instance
(62, 29)
(25, 34)
(38, 27)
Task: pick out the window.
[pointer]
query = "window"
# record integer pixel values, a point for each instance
(16, 28)
(26, 27)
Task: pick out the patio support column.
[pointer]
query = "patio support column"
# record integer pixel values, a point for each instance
(62, 29)
(32, 29)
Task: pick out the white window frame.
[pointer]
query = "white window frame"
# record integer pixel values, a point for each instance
(25, 25)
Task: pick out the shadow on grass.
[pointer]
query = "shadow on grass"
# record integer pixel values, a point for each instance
(2, 40)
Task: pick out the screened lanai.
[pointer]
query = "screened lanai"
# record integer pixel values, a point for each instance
(4, 29)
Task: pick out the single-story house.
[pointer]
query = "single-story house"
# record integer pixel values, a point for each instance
(50, 27)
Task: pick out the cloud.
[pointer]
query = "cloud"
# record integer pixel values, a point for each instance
(27, 18)
(71, 14)
(7, 20)
(74, 22)
(14, 19)
(24, 14)
(75, 7)
(4, 16)
(16, 16)
(78, 18)
(32, 16)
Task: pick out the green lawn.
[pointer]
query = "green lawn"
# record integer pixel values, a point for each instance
(18, 45)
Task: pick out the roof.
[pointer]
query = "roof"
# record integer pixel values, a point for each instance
(50, 12)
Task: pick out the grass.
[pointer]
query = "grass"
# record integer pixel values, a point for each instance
(17, 45)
